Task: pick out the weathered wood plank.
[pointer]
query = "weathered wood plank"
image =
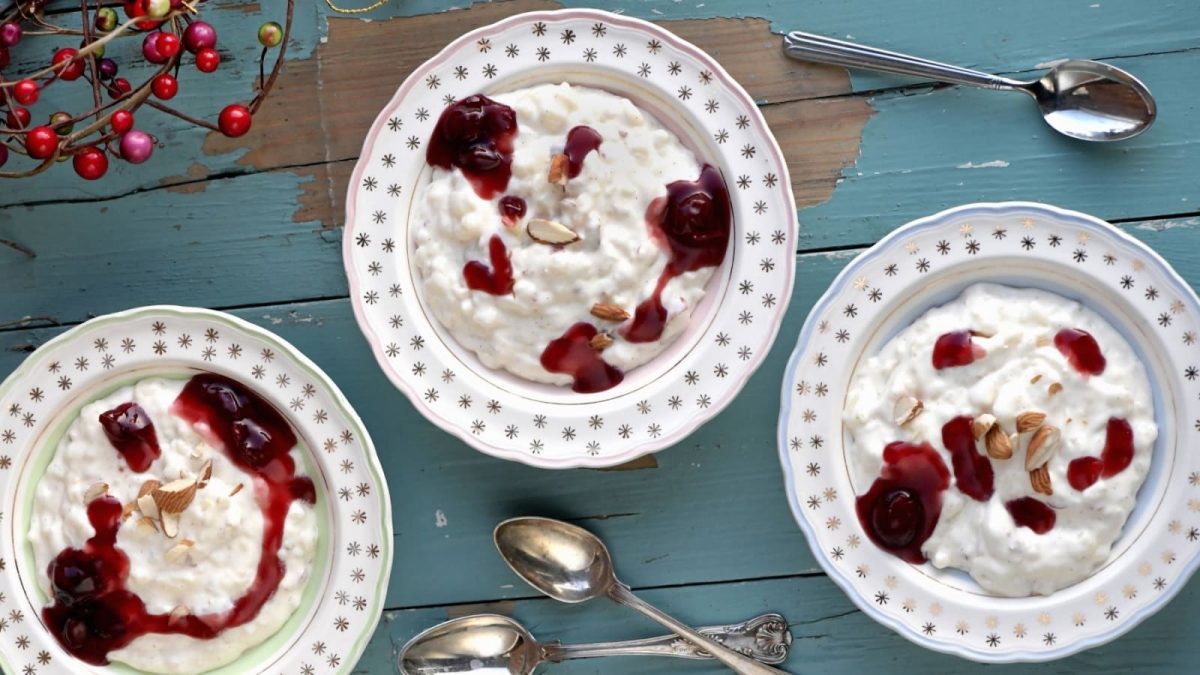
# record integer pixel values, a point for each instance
(448, 497)
(829, 634)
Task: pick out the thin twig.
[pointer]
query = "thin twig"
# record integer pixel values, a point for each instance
(18, 247)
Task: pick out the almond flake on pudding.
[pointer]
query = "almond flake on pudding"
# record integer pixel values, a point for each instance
(601, 341)
(608, 312)
(549, 232)
(1017, 512)
(906, 410)
(95, 491)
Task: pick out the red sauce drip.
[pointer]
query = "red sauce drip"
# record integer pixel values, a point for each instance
(902, 507)
(956, 349)
(1080, 350)
(580, 141)
(93, 613)
(131, 432)
(972, 471)
(1083, 472)
(1031, 513)
(573, 355)
(693, 223)
(512, 209)
(476, 135)
(498, 279)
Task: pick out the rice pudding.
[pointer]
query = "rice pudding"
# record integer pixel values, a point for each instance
(174, 528)
(1006, 434)
(563, 234)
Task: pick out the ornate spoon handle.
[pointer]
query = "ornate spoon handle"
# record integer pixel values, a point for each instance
(765, 638)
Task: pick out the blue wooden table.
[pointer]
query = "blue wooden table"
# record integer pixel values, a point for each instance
(253, 226)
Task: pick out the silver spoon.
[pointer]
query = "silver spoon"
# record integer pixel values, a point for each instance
(570, 564)
(1088, 100)
(493, 643)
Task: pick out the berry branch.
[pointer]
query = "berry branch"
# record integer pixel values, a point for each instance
(169, 29)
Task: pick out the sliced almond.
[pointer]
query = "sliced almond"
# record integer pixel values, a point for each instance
(145, 524)
(170, 524)
(997, 444)
(1054, 388)
(94, 491)
(907, 409)
(982, 425)
(197, 451)
(1035, 379)
(148, 487)
(236, 489)
(985, 334)
(1030, 420)
(549, 232)
(558, 169)
(1042, 446)
(603, 310)
(205, 473)
(177, 552)
(127, 512)
(601, 341)
(1042, 341)
(178, 614)
(1039, 478)
(175, 496)
(147, 506)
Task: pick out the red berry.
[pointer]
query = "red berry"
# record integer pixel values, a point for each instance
(120, 87)
(234, 120)
(91, 164)
(4, 57)
(165, 86)
(137, 8)
(207, 60)
(122, 121)
(41, 142)
(26, 92)
(168, 44)
(66, 64)
(18, 118)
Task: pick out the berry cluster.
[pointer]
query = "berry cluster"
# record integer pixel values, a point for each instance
(172, 34)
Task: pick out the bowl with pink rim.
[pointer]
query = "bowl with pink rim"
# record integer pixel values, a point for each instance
(1118, 492)
(732, 315)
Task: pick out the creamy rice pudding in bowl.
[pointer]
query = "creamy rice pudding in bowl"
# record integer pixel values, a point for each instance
(170, 489)
(985, 428)
(559, 258)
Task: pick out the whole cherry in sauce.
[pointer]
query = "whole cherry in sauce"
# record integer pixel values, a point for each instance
(580, 141)
(512, 209)
(902, 507)
(692, 222)
(130, 430)
(94, 613)
(1032, 513)
(973, 473)
(476, 136)
(573, 354)
(1080, 350)
(1117, 455)
(955, 349)
(497, 279)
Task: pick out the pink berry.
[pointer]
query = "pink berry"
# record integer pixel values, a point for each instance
(150, 49)
(136, 146)
(199, 35)
(10, 33)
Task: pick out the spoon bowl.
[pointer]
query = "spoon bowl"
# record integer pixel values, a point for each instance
(1093, 101)
(561, 560)
(486, 643)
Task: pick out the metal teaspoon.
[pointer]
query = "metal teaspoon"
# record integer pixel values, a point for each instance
(572, 565)
(1088, 100)
(492, 643)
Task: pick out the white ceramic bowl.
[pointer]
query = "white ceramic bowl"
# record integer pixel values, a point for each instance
(927, 263)
(344, 597)
(660, 402)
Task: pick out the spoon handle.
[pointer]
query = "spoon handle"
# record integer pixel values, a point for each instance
(764, 638)
(736, 662)
(809, 47)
